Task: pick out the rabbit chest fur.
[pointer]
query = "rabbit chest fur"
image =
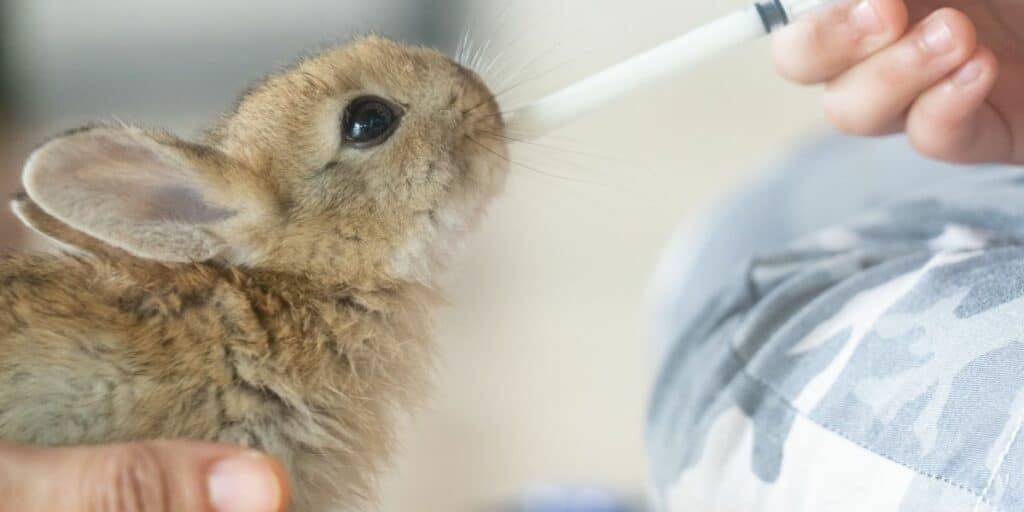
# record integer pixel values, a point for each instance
(95, 351)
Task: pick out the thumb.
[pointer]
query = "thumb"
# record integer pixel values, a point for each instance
(154, 476)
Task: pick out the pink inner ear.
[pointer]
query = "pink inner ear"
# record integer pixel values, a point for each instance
(178, 204)
(129, 190)
(149, 186)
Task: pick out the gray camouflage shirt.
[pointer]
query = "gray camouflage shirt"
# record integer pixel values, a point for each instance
(848, 336)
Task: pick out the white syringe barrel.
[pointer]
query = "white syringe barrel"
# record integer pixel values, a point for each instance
(596, 91)
(797, 8)
(701, 44)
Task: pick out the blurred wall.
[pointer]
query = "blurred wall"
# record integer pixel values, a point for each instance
(5, 67)
(185, 59)
(11, 234)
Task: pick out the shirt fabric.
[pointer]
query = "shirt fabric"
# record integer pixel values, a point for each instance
(846, 334)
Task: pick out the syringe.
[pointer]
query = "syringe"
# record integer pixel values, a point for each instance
(694, 47)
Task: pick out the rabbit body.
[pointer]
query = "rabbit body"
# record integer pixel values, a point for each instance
(268, 285)
(93, 351)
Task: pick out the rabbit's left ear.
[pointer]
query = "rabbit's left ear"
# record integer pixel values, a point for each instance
(64, 236)
(128, 189)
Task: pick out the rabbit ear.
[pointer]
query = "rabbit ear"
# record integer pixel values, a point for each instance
(126, 188)
(62, 235)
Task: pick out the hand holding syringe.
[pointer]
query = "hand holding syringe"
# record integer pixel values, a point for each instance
(950, 79)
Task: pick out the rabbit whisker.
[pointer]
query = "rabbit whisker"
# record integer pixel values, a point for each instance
(524, 81)
(527, 167)
(515, 140)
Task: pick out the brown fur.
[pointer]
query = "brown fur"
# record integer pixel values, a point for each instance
(306, 329)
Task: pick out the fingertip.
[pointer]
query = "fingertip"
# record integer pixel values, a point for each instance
(852, 121)
(976, 76)
(956, 27)
(947, 121)
(960, 93)
(233, 475)
(283, 481)
(894, 15)
(247, 482)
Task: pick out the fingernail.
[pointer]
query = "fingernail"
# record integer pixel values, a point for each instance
(245, 483)
(938, 38)
(866, 18)
(968, 74)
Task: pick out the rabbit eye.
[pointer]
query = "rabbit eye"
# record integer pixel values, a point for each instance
(369, 121)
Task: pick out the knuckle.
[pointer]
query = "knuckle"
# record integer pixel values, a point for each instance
(132, 479)
(819, 47)
(843, 119)
(932, 145)
(794, 71)
(892, 76)
(787, 67)
(929, 150)
(796, 52)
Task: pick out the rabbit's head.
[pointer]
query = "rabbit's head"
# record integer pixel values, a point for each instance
(365, 162)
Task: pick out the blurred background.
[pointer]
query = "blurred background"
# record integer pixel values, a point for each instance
(545, 365)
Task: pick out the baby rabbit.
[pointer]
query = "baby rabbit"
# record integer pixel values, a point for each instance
(267, 286)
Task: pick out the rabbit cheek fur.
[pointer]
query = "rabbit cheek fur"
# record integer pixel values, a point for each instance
(268, 286)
